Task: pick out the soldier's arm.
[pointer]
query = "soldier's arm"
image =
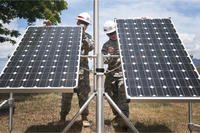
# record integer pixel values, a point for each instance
(91, 43)
(105, 52)
(88, 42)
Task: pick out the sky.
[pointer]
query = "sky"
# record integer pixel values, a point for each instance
(185, 15)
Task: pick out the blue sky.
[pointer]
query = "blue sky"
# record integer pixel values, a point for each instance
(185, 15)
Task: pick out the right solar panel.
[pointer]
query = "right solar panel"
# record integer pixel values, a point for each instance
(155, 64)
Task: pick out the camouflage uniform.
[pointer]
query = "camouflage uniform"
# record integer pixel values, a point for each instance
(114, 84)
(83, 83)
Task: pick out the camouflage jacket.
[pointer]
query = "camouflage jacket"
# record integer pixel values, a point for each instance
(114, 64)
(86, 46)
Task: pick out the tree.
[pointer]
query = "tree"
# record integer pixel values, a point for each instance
(29, 10)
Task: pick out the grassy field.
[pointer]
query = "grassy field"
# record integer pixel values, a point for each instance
(40, 112)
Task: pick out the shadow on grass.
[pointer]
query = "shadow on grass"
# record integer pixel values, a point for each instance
(77, 128)
(4, 96)
(152, 128)
(156, 128)
(55, 128)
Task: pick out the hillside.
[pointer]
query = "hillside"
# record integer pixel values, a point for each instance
(196, 62)
(198, 69)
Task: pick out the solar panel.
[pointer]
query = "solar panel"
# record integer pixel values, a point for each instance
(155, 64)
(46, 59)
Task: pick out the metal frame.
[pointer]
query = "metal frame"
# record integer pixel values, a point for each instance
(37, 89)
(156, 97)
(163, 99)
(100, 128)
(191, 126)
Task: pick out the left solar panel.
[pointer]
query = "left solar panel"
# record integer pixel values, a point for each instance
(46, 59)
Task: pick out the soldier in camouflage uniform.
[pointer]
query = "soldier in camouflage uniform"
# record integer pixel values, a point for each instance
(83, 83)
(114, 84)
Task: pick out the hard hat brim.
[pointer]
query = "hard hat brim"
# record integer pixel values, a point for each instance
(113, 30)
(83, 20)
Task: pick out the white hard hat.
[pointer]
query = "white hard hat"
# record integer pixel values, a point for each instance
(84, 16)
(109, 26)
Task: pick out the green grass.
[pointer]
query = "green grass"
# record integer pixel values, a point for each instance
(39, 112)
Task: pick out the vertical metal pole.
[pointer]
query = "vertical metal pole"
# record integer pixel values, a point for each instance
(94, 52)
(190, 111)
(100, 101)
(190, 115)
(10, 113)
(99, 74)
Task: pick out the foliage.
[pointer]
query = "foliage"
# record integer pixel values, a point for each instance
(29, 10)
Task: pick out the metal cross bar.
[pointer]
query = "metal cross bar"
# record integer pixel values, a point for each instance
(113, 56)
(89, 56)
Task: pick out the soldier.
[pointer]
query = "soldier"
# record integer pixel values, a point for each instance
(114, 84)
(83, 20)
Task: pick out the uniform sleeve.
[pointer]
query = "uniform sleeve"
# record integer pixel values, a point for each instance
(105, 52)
(87, 41)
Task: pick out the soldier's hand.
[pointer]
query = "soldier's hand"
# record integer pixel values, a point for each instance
(47, 22)
(109, 59)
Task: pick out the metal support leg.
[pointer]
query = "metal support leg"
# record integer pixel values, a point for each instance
(192, 126)
(121, 113)
(11, 104)
(4, 102)
(78, 113)
(190, 115)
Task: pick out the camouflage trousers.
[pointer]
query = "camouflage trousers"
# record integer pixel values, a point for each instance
(115, 89)
(82, 93)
